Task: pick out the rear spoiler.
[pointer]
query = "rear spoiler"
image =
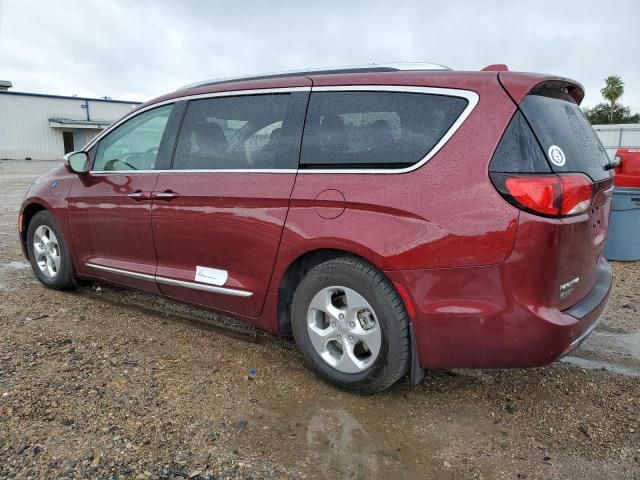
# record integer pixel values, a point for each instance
(518, 85)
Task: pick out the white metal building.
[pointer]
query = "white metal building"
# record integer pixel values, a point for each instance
(617, 135)
(45, 127)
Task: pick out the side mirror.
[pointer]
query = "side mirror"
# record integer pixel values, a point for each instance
(77, 162)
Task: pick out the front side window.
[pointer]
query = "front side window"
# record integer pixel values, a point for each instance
(243, 132)
(134, 145)
(360, 129)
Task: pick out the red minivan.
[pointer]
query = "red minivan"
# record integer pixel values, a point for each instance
(393, 219)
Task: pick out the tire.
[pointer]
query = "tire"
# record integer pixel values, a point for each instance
(369, 305)
(57, 271)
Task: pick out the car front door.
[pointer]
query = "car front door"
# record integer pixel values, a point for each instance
(218, 214)
(110, 208)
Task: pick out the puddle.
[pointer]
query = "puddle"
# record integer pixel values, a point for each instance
(6, 268)
(333, 436)
(624, 342)
(343, 436)
(600, 365)
(616, 352)
(612, 343)
(19, 265)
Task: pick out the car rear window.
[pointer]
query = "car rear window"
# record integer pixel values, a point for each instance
(381, 129)
(567, 138)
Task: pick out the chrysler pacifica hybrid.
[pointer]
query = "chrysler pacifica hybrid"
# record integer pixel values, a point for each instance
(392, 219)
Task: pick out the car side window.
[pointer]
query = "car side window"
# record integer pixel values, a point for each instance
(134, 145)
(243, 132)
(361, 129)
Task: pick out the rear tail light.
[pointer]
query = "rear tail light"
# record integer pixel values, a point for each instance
(549, 195)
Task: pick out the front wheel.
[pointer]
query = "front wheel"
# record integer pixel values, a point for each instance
(48, 253)
(351, 325)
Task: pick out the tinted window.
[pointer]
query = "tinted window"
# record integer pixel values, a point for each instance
(519, 150)
(134, 145)
(558, 121)
(242, 132)
(359, 129)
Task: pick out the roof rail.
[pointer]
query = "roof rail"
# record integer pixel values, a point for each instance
(374, 67)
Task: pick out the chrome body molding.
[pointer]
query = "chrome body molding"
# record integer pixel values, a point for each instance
(471, 97)
(126, 273)
(170, 281)
(203, 287)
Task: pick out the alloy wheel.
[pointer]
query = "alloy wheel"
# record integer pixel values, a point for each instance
(47, 251)
(344, 329)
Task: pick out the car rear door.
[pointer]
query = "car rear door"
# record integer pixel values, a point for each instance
(110, 208)
(219, 211)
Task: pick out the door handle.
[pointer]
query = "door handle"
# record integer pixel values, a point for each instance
(138, 195)
(167, 195)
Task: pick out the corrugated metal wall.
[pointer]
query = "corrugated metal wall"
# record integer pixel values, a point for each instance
(618, 135)
(25, 130)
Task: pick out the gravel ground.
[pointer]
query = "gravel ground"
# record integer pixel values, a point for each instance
(111, 384)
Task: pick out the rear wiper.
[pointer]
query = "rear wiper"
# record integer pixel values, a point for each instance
(612, 164)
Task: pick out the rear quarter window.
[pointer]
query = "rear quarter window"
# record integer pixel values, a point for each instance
(559, 123)
(375, 129)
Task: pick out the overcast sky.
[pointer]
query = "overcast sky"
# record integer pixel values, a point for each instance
(140, 49)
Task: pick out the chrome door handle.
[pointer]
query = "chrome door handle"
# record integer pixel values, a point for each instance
(138, 195)
(166, 196)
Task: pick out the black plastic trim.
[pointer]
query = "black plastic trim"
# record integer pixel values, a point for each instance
(170, 138)
(597, 294)
(417, 373)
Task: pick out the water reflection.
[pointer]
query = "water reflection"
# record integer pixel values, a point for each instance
(341, 445)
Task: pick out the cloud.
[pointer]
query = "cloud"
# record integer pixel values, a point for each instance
(138, 50)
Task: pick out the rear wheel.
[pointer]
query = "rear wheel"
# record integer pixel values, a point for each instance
(351, 325)
(48, 253)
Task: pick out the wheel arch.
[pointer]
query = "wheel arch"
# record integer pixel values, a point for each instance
(302, 264)
(26, 215)
(292, 275)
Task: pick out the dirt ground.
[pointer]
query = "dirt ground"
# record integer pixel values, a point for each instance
(111, 384)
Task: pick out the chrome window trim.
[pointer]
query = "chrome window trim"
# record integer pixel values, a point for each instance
(225, 170)
(231, 93)
(170, 281)
(472, 100)
(471, 97)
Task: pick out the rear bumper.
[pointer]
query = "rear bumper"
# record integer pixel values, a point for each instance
(589, 311)
(472, 318)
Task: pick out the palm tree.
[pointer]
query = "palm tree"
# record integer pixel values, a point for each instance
(612, 91)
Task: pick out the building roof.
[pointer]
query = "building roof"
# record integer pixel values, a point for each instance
(107, 100)
(72, 123)
(617, 126)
